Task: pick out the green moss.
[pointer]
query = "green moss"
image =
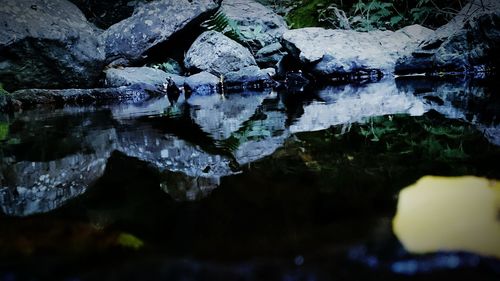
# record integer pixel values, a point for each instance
(4, 130)
(306, 15)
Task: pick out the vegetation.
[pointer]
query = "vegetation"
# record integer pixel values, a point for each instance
(365, 15)
(169, 66)
(2, 90)
(222, 23)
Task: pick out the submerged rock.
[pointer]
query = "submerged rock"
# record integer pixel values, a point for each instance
(218, 54)
(117, 77)
(48, 44)
(327, 52)
(258, 24)
(203, 84)
(151, 24)
(471, 39)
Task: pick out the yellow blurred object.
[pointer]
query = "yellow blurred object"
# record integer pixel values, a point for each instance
(450, 214)
(129, 241)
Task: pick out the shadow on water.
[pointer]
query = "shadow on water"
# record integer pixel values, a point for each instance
(251, 186)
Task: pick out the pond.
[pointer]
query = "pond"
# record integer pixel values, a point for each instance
(296, 184)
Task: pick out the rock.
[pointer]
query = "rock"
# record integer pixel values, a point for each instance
(117, 77)
(33, 97)
(203, 84)
(249, 78)
(48, 44)
(151, 24)
(258, 24)
(218, 54)
(270, 55)
(471, 39)
(5, 102)
(104, 13)
(327, 52)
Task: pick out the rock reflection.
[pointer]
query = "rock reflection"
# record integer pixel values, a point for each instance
(50, 156)
(450, 214)
(352, 103)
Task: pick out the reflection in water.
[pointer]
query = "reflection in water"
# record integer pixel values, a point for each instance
(450, 214)
(50, 156)
(351, 103)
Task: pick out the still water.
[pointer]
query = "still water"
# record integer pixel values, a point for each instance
(302, 184)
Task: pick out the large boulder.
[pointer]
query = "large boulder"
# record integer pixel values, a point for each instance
(471, 39)
(47, 44)
(218, 54)
(258, 24)
(329, 52)
(152, 24)
(117, 77)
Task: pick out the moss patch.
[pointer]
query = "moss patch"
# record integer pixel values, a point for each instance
(306, 15)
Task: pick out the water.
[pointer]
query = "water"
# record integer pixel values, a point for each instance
(294, 185)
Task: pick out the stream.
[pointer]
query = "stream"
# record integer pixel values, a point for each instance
(296, 184)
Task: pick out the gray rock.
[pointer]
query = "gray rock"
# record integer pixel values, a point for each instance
(151, 24)
(327, 52)
(250, 77)
(471, 39)
(5, 102)
(270, 55)
(257, 23)
(48, 44)
(203, 84)
(117, 77)
(131, 94)
(218, 54)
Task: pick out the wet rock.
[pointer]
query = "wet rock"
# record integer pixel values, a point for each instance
(203, 84)
(117, 77)
(258, 24)
(270, 55)
(218, 54)
(327, 52)
(249, 78)
(48, 44)
(151, 24)
(135, 93)
(471, 39)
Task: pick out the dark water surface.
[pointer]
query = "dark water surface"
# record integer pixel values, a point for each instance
(292, 185)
